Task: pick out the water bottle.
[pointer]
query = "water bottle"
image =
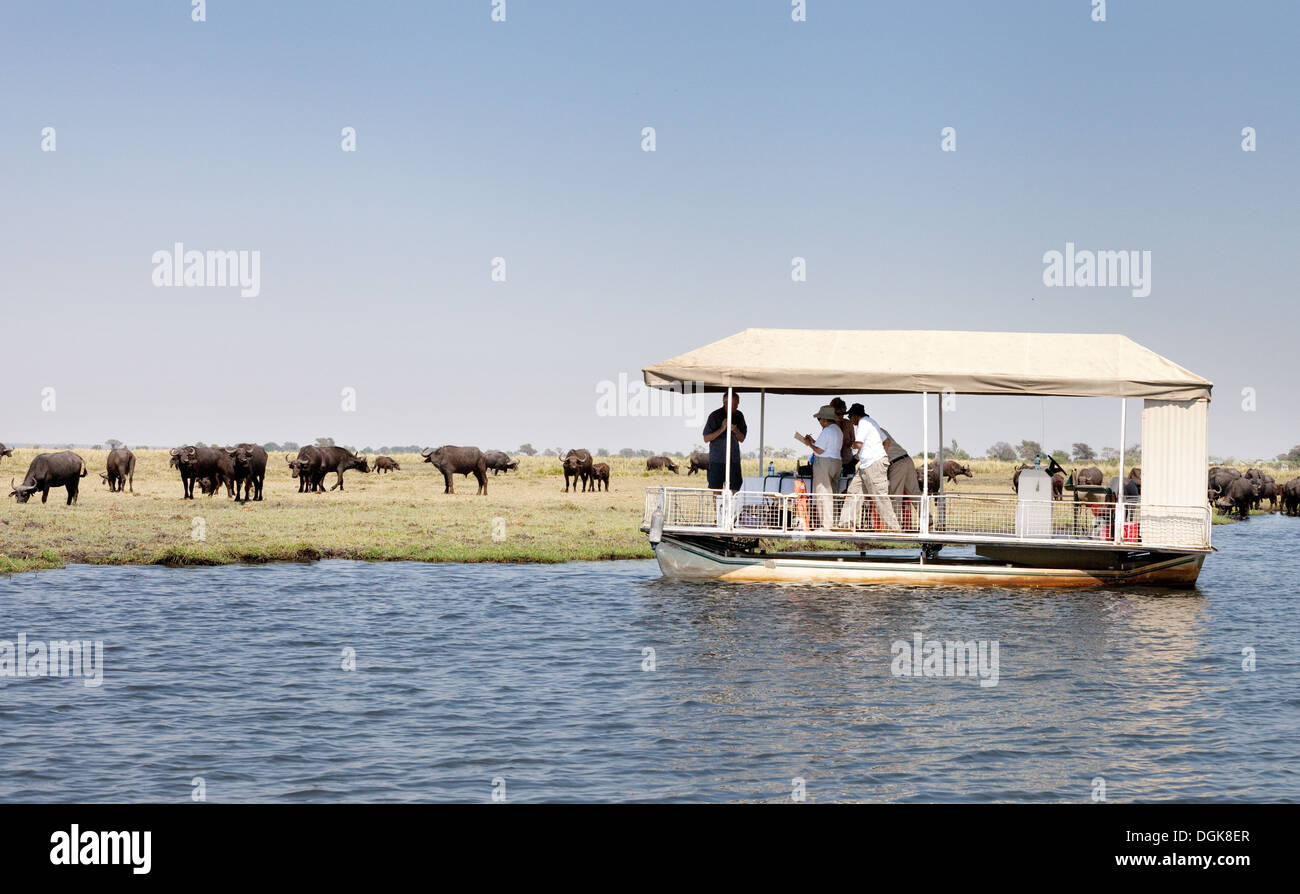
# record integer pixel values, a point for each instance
(1038, 460)
(771, 470)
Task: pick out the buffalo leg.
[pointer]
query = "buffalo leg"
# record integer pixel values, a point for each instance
(481, 475)
(448, 487)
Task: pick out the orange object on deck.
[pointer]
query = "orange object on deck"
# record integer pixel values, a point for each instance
(801, 504)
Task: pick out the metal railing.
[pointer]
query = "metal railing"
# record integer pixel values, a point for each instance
(966, 517)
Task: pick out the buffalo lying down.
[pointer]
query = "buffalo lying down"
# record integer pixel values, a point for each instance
(64, 469)
(451, 460)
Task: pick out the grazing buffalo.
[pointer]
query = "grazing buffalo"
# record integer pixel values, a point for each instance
(309, 468)
(340, 460)
(599, 474)
(699, 462)
(1291, 497)
(577, 465)
(120, 470)
(387, 464)
(1238, 497)
(201, 462)
(248, 471)
(953, 470)
(451, 460)
(655, 463)
(5, 451)
(499, 462)
(65, 469)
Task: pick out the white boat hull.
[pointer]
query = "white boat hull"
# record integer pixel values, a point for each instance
(694, 561)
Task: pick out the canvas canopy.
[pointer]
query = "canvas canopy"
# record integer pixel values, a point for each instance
(819, 361)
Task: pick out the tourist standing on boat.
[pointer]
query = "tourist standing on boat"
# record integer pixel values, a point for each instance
(903, 483)
(826, 463)
(848, 456)
(872, 477)
(715, 435)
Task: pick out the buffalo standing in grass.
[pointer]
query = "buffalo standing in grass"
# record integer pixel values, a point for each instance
(340, 460)
(951, 472)
(387, 464)
(577, 466)
(499, 462)
(200, 462)
(451, 460)
(699, 463)
(655, 463)
(599, 475)
(248, 470)
(309, 468)
(120, 470)
(5, 451)
(64, 469)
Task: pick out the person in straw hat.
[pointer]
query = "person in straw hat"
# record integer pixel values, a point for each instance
(826, 463)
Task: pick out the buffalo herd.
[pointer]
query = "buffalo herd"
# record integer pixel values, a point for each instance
(241, 470)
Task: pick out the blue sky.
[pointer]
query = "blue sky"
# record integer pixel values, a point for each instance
(522, 140)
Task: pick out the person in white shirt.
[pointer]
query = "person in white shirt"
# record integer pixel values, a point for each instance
(826, 464)
(873, 473)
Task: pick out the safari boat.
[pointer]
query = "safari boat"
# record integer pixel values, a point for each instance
(1025, 539)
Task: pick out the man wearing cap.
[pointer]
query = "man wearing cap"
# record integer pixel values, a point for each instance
(873, 472)
(826, 463)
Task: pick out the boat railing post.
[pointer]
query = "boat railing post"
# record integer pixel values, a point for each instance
(725, 522)
(1117, 524)
(925, 461)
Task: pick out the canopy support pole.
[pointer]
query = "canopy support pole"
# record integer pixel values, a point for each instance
(726, 475)
(762, 425)
(925, 461)
(1119, 498)
(939, 462)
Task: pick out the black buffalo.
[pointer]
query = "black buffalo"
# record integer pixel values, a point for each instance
(119, 470)
(387, 464)
(248, 470)
(600, 475)
(1291, 497)
(451, 460)
(577, 466)
(309, 468)
(65, 469)
(1239, 495)
(1089, 476)
(499, 462)
(655, 463)
(201, 462)
(699, 462)
(340, 460)
(5, 451)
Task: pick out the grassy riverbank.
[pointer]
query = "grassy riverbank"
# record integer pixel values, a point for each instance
(526, 516)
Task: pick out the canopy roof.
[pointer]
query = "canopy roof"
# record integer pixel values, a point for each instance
(821, 361)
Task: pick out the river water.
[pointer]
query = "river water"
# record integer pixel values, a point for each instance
(532, 682)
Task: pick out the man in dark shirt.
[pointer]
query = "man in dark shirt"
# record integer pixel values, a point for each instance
(715, 435)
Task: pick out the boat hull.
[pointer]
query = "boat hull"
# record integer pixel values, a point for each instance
(696, 561)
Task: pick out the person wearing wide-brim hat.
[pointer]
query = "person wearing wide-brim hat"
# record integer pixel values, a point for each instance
(872, 477)
(826, 462)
